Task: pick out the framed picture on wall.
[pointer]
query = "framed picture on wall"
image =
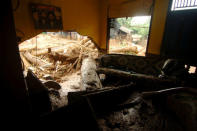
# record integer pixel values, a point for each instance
(46, 16)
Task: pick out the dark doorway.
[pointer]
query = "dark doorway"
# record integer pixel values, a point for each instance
(181, 30)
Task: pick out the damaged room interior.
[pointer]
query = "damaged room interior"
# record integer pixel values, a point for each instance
(106, 65)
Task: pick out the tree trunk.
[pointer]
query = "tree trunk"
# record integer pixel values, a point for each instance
(125, 49)
(89, 76)
(139, 79)
(36, 61)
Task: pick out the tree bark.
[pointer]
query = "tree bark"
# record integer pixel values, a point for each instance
(125, 49)
(140, 79)
(34, 60)
(26, 63)
(82, 42)
(89, 76)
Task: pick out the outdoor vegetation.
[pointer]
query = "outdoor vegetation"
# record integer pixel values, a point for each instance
(129, 35)
(140, 28)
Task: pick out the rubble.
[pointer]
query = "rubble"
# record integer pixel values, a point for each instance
(55, 56)
(121, 99)
(56, 61)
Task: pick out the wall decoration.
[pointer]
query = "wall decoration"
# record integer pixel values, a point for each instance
(46, 16)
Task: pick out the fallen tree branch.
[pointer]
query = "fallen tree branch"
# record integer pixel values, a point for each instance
(79, 60)
(72, 66)
(26, 63)
(140, 79)
(168, 91)
(89, 76)
(82, 42)
(36, 61)
(125, 49)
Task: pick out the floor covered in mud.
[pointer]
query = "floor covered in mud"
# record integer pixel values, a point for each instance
(145, 115)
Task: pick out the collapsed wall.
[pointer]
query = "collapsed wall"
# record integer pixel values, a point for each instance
(56, 58)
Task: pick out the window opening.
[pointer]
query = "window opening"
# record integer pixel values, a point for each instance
(183, 5)
(129, 35)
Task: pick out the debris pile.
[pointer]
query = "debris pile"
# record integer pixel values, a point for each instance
(51, 57)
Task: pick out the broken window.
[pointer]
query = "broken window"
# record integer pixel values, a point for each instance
(129, 35)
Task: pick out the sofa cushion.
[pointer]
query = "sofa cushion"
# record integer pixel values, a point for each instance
(145, 65)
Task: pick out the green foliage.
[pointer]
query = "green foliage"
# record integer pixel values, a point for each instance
(141, 31)
(137, 28)
(125, 22)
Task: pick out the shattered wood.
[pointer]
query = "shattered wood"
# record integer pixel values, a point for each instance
(56, 58)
